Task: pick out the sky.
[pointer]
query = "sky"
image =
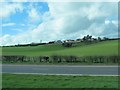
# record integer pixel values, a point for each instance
(26, 22)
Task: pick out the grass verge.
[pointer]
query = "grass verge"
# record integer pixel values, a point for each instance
(52, 81)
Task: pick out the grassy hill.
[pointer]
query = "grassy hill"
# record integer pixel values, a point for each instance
(101, 48)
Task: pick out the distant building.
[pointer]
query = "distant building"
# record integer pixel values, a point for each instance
(58, 42)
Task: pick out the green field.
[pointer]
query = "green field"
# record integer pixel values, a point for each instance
(105, 48)
(41, 81)
(100, 48)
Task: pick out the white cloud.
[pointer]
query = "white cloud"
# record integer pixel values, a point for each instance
(18, 30)
(115, 22)
(75, 17)
(8, 24)
(59, 1)
(8, 9)
(7, 40)
(22, 24)
(71, 21)
(2, 0)
(107, 21)
(33, 14)
(14, 0)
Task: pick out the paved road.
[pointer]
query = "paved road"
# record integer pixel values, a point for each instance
(60, 69)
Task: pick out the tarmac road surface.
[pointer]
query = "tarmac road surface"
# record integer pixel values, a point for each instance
(100, 70)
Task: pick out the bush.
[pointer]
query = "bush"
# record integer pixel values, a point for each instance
(67, 44)
(56, 58)
(70, 58)
(12, 58)
(59, 59)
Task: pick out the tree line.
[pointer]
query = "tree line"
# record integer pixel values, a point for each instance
(87, 39)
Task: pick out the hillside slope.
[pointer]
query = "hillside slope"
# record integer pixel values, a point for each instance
(101, 48)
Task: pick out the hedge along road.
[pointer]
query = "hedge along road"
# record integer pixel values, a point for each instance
(61, 70)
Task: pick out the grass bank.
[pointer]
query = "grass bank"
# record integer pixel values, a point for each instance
(105, 48)
(51, 81)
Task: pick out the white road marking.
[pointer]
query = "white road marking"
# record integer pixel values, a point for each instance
(64, 74)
